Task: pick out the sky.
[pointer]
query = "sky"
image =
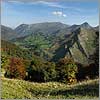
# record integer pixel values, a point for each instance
(16, 12)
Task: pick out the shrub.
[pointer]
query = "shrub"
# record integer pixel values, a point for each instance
(91, 70)
(88, 71)
(16, 69)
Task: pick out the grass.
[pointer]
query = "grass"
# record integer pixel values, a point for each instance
(19, 89)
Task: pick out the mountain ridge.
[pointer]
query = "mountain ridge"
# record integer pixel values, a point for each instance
(55, 40)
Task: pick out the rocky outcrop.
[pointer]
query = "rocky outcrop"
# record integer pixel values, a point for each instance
(80, 45)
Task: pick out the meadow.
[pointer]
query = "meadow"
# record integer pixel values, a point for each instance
(20, 89)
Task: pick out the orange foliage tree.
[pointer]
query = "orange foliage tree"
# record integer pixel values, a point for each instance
(16, 69)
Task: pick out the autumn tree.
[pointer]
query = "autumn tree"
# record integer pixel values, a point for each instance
(16, 69)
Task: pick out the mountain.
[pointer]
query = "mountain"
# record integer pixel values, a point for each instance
(26, 30)
(7, 33)
(85, 25)
(80, 45)
(96, 28)
(47, 28)
(54, 40)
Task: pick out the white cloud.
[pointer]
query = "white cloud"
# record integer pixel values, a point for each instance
(59, 13)
(52, 3)
(64, 15)
(49, 0)
(56, 5)
(15, 1)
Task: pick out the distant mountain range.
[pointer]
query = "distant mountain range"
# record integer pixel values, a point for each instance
(55, 40)
(7, 33)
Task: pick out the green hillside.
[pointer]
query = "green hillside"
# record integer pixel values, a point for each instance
(12, 88)
(11, 49)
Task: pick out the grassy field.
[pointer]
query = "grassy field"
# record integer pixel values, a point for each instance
(12, 89)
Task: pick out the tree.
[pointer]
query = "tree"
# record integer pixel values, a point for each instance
(4, 64)
(41, 71)
(66, 69)
(35, 71)
(95, 57)
(4, 61)
(16, 69)
(49, 72)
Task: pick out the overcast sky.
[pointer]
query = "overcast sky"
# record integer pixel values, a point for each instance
(15, 12)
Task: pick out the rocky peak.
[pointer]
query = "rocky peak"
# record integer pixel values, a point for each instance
(85, 25)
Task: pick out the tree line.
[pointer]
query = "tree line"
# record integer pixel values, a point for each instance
(66, 70)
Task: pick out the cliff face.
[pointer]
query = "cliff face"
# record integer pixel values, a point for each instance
(80, 45)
